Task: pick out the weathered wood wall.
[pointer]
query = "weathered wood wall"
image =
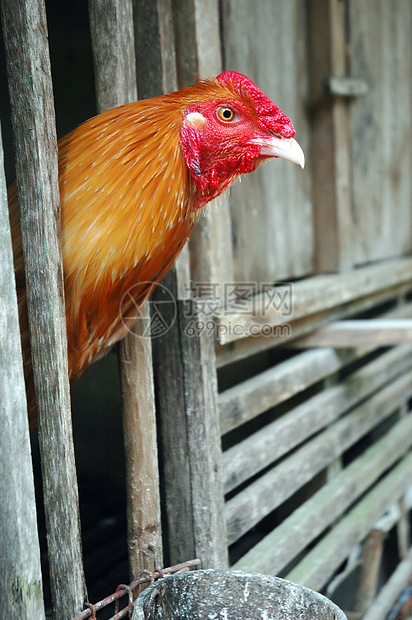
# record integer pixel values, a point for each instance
(278, 458)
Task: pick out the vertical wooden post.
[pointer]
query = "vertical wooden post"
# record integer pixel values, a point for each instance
(199, 55)
(156, 74)
(330, 137)
(155, 52)
(20, 576)
(190, 436)
(28, 63)
(184, 370)
(114, 56)
(203, 438)
(403, 529)
(372, 550)
(139, 427)
(111, 29)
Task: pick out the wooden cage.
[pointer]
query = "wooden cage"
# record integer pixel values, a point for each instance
(269, 428)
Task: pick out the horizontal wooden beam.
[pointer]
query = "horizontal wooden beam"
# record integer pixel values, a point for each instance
(281, 307)
(354, 333)
(245, 347)
(244, 401)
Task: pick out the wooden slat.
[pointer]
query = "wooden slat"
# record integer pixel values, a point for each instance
(111, 28)
(20, 577)
(343, 334)
(308, 297)
(155, 51)
(276, 439)
(199, 55)
(249, 506)
(274, 552)
(321, 562)
(171, 410)
(403, 529)
(204, 445)
(271, 208)
(156, 74)
(330, 137)
(240, 349)
(185, 368)
(112, 32)
(191, 445)
(372, 550)
(140, 438)
(246, 400)
(31, 92)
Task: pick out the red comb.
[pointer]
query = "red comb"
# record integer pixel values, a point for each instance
(269, 114)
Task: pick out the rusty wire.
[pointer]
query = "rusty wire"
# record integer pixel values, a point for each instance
(144, 576)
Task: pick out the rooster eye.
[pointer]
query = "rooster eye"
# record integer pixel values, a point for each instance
(226, 114)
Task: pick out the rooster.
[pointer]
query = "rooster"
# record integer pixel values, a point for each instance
(132, 182)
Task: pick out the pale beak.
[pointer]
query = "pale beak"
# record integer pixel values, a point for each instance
(286, 148)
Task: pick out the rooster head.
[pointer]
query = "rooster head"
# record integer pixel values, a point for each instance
(230, 128)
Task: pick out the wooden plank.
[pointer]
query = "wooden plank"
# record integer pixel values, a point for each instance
(155, 51)
(271, 208)
(307, 297)
(274, 552)
(191, 445)
(114, 58)
(20, 578)
(372, 550)
(403, 529)
(111, 28)
(391, 591)
(322, 561)
(235, 351)
(198, 55)
(156, 74)
(185, 371)
(204, 446)
(380, 53)
(31, 92)
(246, 400)
(261, 497)
(172, 417)
(140, 437)
(330, 137)
(342, 334)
